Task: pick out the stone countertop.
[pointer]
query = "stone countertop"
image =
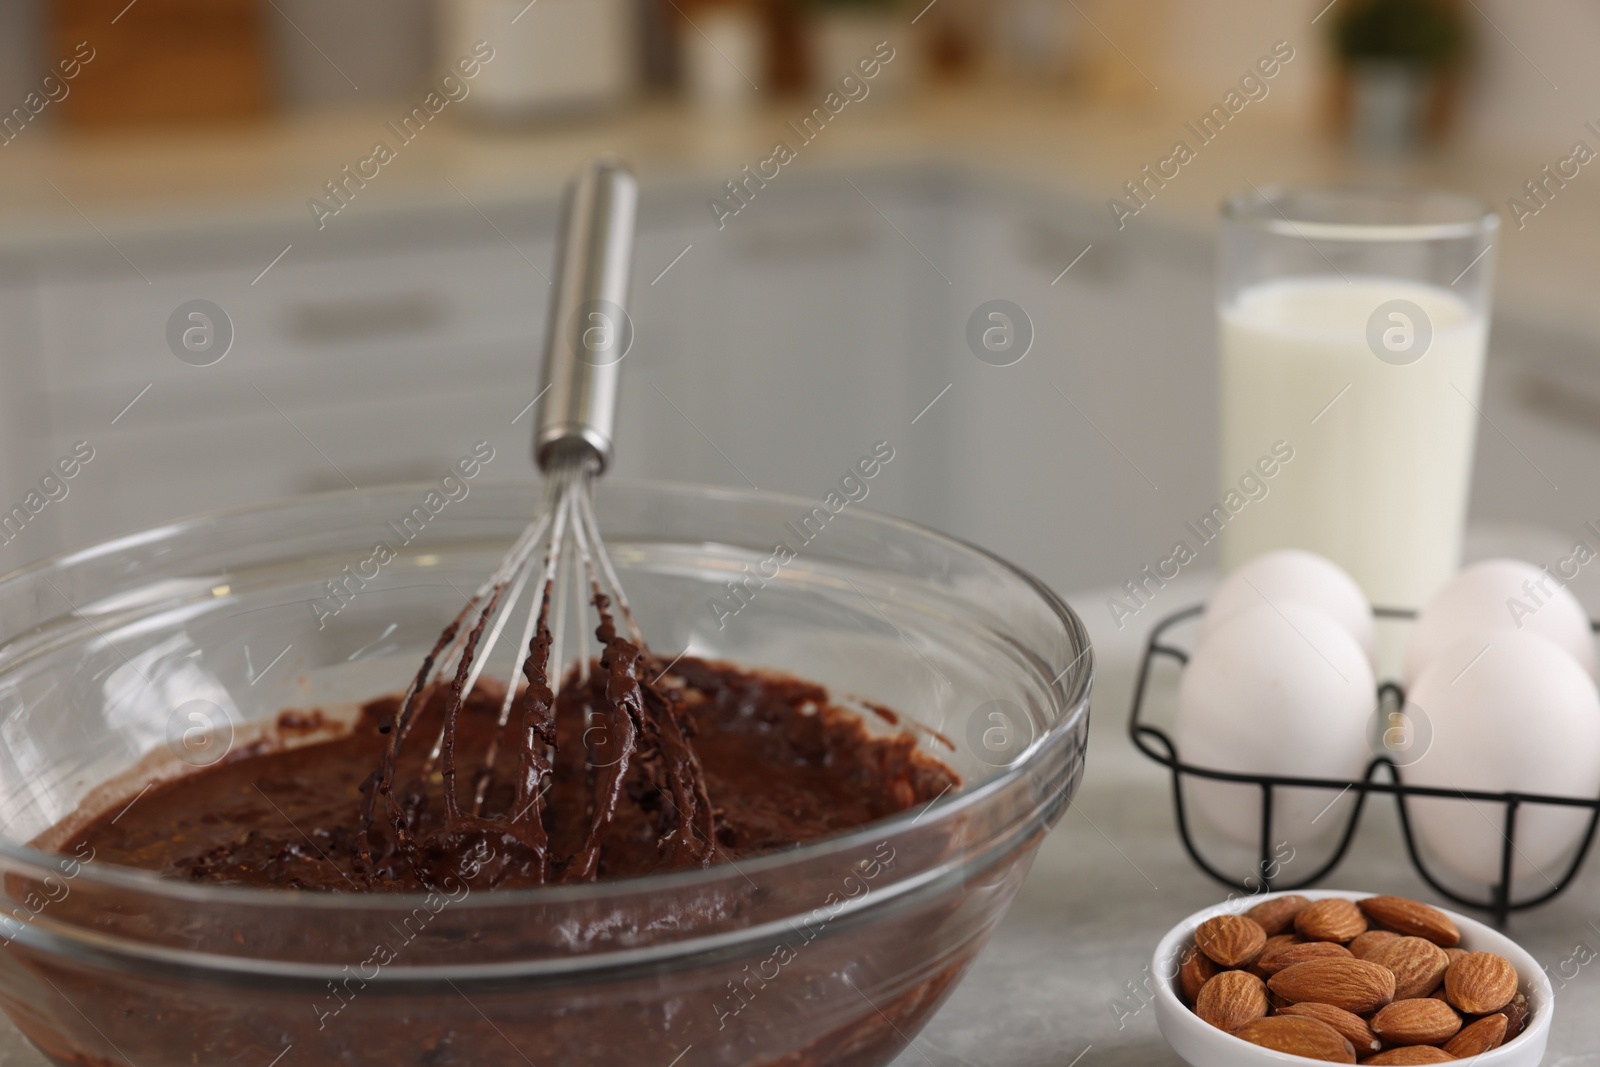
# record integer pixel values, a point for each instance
(1058, 979)
(59, 189)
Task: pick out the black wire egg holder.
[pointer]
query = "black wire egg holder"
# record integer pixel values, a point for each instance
(1500, 904)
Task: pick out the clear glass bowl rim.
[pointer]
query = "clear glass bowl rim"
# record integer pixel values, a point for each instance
(1069, 692)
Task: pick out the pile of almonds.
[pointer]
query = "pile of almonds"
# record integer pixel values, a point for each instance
(1381, 980)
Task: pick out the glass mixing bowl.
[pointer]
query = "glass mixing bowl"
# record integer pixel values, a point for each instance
(167, 649)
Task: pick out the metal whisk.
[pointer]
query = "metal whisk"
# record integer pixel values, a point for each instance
(560, 562)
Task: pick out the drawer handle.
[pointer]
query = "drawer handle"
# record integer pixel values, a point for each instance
(365, 318)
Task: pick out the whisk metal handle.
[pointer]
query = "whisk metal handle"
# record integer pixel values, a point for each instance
(589, 330)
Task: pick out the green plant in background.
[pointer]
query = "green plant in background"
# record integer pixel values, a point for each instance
(1428, 33)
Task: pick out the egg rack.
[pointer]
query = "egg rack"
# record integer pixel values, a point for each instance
(1383, 776)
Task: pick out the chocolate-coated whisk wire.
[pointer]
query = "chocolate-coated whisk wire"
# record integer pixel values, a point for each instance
(556, 574)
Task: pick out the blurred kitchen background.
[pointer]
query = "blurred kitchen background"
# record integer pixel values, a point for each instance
(161, 152)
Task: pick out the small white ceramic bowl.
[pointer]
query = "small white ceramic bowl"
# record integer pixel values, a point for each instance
(1203, 1045)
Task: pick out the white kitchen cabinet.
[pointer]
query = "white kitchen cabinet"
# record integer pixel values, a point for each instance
(24, 424)
(777, 351)
(358, 363)
(383, 354)
(824, 318)
(1536, 480)
(1082, 461)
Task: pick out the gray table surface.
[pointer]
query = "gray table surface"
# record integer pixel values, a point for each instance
(1053, 987)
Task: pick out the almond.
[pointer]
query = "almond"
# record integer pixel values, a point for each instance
(1231, 999)
(1455, 953)
(1480, 983)
(1196, 970)
(1412, 918)
(1357, 986)
(1298, 1037)
(1411, 1054)
(1487, 1033)
(1275, 959)
(1353, 1028)
(1331, 919)
(1516, 1016)
(1416, 1022)
(1230, 940)
(1362, 945)
(1276, 916)
(1418, 965)
(1277, 941)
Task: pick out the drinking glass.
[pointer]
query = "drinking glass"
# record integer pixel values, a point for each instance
(1353, 322)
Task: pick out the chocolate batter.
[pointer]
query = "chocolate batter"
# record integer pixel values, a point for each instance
(627, 773)
(781, 765)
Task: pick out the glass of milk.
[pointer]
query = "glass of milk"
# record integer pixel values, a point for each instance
(1353, 323)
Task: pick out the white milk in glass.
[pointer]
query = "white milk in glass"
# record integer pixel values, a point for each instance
(1380, 475)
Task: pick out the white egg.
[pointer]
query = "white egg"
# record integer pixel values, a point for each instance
(1276, 689)
(1497, 595)
(1517, 716)
(1293, 576)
